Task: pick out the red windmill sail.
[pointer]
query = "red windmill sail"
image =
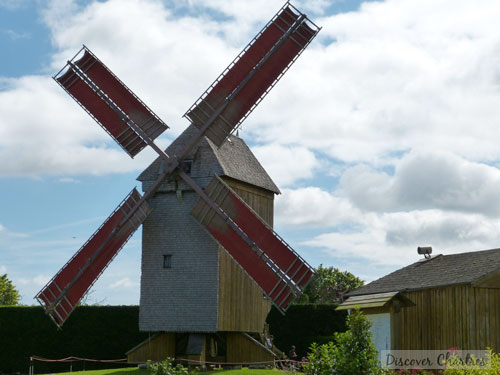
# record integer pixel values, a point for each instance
(276, 267)
(109, 102)
(61, 294)
(234, 94)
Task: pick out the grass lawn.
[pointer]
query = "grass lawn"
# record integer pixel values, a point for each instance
(136, 371)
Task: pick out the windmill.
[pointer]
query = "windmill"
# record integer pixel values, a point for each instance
(280, 272)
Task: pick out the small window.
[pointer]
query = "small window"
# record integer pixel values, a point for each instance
(186, 166)
(167, 261)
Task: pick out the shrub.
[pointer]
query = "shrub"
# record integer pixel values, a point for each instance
(455, 366)
(354, 349)
(320, 359)
(352, 352)
(167, 368)
(413, 372)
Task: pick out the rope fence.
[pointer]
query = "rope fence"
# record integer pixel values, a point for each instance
(70, 360)
(286, 364)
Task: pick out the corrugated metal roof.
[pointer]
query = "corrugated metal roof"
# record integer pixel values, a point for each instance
(442, 270)
(234, 159)
(374, 300)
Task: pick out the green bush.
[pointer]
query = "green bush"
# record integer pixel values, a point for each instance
(97, 332)
(351, 352)
(412, 372)
(320, 359)
(455, 366)
(304, 324)
(167, 368)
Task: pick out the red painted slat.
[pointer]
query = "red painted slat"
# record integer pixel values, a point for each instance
(247, 259)
(257, 86)
(104, 114)
(267, 241)
(116, 91)
(67, 274)
(287, 260)
(268, 260)
(250, 58)
(262, 80)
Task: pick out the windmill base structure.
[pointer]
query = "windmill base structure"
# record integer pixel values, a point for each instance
(212, 265)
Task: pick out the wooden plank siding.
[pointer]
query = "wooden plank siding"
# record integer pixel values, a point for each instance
(240, 350)
(454, 316)
(155, 349)
(260, 200)
(242, 307)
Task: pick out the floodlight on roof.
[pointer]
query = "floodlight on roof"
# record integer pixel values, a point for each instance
(425, 250)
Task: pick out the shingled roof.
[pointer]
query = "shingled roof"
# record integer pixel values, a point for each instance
(234, 159)
(440, 270)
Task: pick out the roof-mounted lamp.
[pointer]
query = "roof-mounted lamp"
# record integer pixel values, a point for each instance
(426, 251)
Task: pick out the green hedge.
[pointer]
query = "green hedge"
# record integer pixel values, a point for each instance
(97, 332)
(107, 332)
(304, 324)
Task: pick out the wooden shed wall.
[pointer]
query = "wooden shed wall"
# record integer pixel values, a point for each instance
(241, 304)
(454, 316)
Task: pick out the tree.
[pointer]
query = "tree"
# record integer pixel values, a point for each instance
(329, 285)
(8, 292)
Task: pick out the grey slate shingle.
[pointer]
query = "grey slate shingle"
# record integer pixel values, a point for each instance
(183, 298)
(441, 270)
(238, 162)
(234, 160)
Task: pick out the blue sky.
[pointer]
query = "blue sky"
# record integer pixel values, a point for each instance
(382, 137)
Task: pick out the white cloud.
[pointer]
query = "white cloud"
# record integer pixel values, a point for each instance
(425, 180)
(124, 283)
(5, 233)
(396, 77)
(29, 287)
(400, 74)
(387, 231)
(57, 228)
(242, 17)
(13, 4)
(14, 35)
(444, 229)
(69, 180)
(3, 270)
(313, 207)
(38, 281)
(287, 164)
(392, 239)
(44, 132)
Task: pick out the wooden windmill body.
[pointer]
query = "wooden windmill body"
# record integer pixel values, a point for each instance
(202, 290)
(212, 264)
